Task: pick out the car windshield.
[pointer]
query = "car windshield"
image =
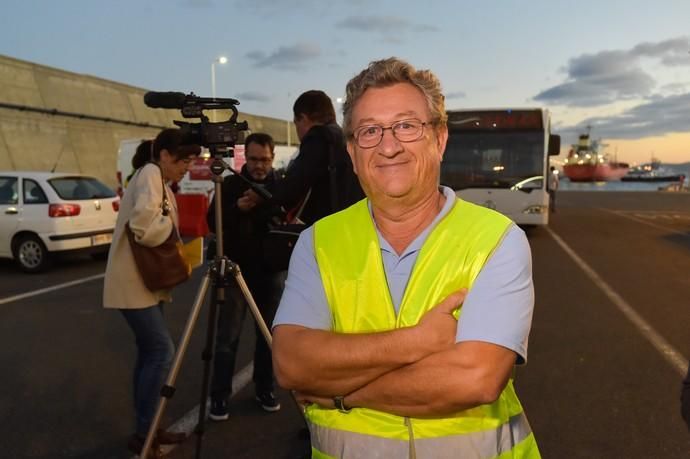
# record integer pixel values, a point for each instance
(76, 188)
(486, 159)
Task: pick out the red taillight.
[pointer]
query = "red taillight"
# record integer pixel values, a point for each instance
(64, 210)
(116, 205)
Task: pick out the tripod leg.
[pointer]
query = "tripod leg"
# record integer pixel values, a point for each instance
(217, 297)
(259, 321)
(168, 390)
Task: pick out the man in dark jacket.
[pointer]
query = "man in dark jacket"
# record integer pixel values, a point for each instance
(244, 225)
(322, 171)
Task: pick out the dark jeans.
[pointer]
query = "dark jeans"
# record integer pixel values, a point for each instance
(155, 352)
(266, 291)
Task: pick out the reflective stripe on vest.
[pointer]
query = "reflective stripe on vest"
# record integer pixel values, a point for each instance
(349, 259)
(515, 434)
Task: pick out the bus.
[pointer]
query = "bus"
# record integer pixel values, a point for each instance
(499, 158)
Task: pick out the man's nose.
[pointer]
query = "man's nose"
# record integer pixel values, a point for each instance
(389, 144)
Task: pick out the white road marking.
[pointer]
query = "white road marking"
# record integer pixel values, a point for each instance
(643, 221)
(10, 299)
(188, 422)
(672, 356)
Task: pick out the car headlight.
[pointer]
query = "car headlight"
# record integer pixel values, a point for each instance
(536, 209)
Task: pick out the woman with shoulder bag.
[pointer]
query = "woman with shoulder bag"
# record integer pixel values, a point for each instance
(148, 214)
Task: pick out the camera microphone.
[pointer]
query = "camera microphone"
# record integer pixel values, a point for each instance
(155, 99)
(184, 101)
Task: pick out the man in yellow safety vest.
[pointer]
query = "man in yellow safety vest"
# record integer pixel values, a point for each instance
(404, 314)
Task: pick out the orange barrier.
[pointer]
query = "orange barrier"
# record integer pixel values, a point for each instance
(192, 209)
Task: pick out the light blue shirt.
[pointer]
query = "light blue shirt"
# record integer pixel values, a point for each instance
(498, 308)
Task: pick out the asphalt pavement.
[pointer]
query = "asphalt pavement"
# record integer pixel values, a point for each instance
(610, 334)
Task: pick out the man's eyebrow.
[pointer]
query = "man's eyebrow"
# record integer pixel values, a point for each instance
(410, 113)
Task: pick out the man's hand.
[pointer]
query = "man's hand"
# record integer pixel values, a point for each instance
(252, 197)
(306, 399)
(438, 327)
(245, 204)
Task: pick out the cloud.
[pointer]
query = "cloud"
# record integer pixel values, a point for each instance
(253, 96)
(610, 76)
(600, 79)
(673, 52)
(455, 95)
(675, 88)
(391, 27)
(286, 57)
(659, 116)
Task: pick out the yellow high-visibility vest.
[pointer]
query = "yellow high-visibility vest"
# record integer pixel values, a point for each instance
(354, 280)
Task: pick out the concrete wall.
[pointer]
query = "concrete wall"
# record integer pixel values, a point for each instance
(41, 142)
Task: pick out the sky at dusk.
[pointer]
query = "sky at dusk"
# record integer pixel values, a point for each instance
(622, 67)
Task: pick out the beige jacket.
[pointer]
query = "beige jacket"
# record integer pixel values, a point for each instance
(140, 206)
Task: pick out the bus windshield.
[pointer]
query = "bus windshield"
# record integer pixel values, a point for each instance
(492, 159)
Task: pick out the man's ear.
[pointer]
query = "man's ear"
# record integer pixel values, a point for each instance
(351, 152)
(441, 140)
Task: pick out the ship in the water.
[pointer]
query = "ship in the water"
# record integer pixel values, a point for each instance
(652, 171)
(585, 163)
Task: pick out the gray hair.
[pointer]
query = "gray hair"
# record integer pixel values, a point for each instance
(387, 72)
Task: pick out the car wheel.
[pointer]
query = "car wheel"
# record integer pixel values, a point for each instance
(31, 255)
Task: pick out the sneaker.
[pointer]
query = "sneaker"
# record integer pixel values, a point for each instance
(268, 401)
(219, 410)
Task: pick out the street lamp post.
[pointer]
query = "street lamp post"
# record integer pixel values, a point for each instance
(219, 60)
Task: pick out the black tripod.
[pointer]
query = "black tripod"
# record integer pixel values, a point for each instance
(216, 274)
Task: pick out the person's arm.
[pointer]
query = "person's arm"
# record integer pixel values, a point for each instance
(472, 373)
(327, 363)
(309, 357)
(147, 222)
(492, 333)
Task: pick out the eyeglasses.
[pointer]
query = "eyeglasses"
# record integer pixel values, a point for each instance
(251, 159)
(371, 135)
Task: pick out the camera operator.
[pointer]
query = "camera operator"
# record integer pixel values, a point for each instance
(322, 171)
(244, 224)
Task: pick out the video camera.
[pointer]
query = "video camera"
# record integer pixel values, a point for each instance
(218, 137)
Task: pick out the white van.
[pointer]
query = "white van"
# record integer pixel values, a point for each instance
(124, 162)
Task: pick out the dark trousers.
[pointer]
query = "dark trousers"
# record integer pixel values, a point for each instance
(266, 291)
(155, 352)
(552, 200)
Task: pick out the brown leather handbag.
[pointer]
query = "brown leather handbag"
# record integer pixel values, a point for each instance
(161, 267)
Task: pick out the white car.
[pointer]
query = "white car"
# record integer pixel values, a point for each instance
(44, 212)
